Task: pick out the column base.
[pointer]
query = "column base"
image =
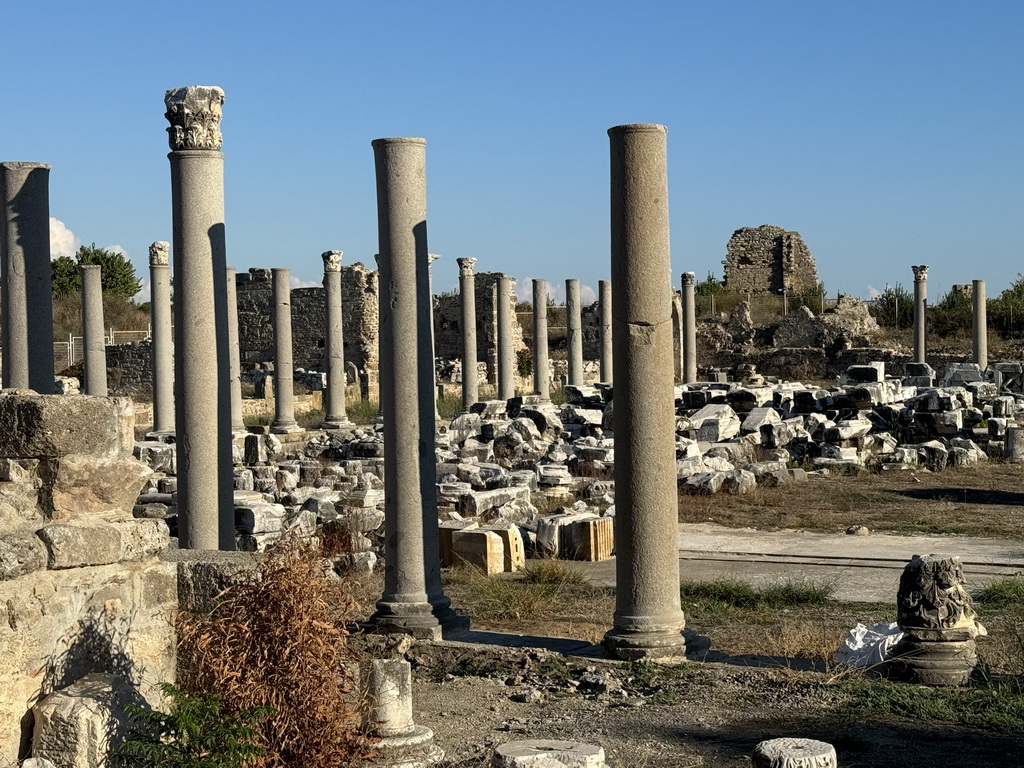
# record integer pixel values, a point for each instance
(284, 428)
(161, 435)
(663, 645)
(338, 424)
(415, 749)
(239, 431)
(421, 620)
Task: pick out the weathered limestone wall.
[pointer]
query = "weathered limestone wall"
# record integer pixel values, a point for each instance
(360, 297)
(767, 259)
(448, 319)
(81, 588)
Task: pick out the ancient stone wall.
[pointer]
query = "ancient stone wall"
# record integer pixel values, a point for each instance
(767, 259)
(81, 588)
(448, 323)
(130, 369)
(360, 298)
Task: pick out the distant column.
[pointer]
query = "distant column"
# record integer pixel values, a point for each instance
(467, 296)
(604, 298)
(431, 258)
(541, 374)
(413, 600)
(574, 331)
(202, 396)
(234, 355)
(336, 417)
(920, 303)
(25, 292)
(162, 349)
(980, 325)
(284, 370)
(94, 379)
(688, 339)
(648, 621)
(506, 352)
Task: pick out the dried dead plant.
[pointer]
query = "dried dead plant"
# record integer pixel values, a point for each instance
(277, 639)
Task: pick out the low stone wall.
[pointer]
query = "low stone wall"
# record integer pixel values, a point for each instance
(81, 588)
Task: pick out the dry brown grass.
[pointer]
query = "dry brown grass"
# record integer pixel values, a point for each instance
(986, 499)
(278, 640)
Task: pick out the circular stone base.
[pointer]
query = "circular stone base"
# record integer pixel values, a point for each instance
(546, 753)
(794, 753)
(653, 646)
(415, 749)
(943, 663)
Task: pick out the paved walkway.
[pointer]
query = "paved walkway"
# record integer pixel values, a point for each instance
(860, 568)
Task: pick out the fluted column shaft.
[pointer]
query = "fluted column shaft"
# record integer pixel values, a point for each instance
(162, 341)
(979, 326)
(574, 331)
(202, 395)
(94, 336)
(688, 339)
(336, 417)
(604, 298)
(413, 600)
(920, 304)
(25, 292)
(506, 352)
(648, 621)
(284, 369)
(541, 374)
(467, 297)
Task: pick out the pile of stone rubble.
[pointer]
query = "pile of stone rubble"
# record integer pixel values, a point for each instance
(525, 477)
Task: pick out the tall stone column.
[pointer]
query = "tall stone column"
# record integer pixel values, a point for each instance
(688, 339)
(234, 355)
(467, 296)
(94, 335)
(920, 303)
(541, 374)
(336, 417)
(604, 298)
(979, 326)
(413, 600)
(574, 331)
(202, 396)
(506, 352)
(648, 620)
(25, 293)
(284, 370)
(162, 349)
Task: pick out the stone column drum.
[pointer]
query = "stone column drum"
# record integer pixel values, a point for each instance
(979, 326)
(234, 356)
(467, 296)
(336, 417)
(574, 331)
(94, 336)
(604, 298)
(413, 600)
(162, 349)
(648, 621)
(688, 339)
(541, 373)
(920, 304)
(206, 515)
(506, 352)
(284, 369)
(26, 306)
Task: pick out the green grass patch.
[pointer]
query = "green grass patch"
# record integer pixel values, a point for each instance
(550, 571)
(714, 596)
(991, 706)
(362, 412)
(1005, 592)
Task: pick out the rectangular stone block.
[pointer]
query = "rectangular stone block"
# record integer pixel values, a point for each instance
(592, 540)
(482, 549)
(513, 543)
(74, 546)
(477, 502)
(447, 529)
(51, 426)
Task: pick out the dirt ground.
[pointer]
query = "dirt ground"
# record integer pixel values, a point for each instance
(751, 675)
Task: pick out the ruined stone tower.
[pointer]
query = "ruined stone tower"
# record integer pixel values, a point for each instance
(767, 259)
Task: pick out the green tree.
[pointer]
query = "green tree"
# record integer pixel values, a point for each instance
(953, 315)
(117, 273)
(1006, 313)
(894, 307)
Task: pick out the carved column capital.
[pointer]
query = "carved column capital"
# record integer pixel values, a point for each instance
(332, 260)
(466, 267)
(159, 254)
(689, 278)
(194, 113)
(432, 257)
(920, 273)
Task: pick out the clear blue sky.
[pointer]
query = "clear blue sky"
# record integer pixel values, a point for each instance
(888, 133)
